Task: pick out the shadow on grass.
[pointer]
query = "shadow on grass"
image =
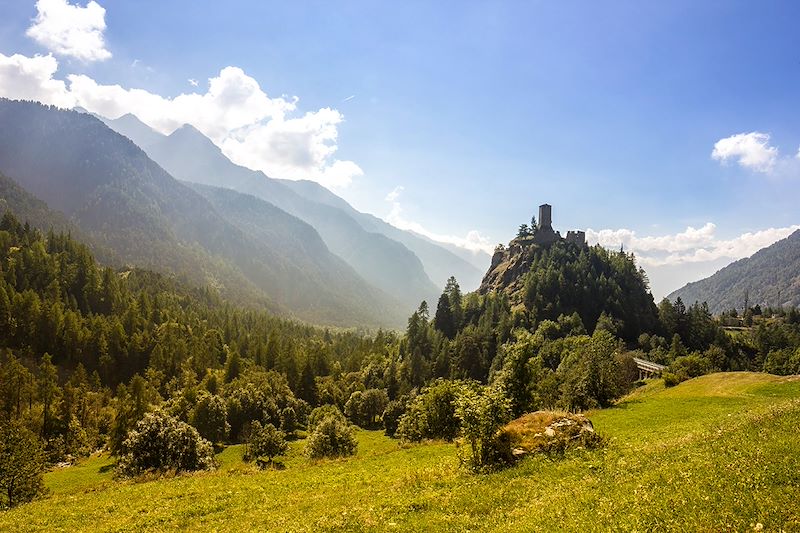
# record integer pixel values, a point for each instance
(107, 468)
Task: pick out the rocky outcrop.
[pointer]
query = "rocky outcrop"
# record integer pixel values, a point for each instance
(550, 432)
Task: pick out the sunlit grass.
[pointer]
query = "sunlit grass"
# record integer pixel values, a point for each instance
(719, 452)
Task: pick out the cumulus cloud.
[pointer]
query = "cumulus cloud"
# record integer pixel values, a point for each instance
(71, 30)
(472, 241)
(31, 78)
(693, 245)
(252, 128)
(750, 150)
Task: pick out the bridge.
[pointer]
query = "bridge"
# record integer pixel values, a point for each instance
(648, 369)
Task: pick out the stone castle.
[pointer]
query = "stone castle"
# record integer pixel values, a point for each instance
(543, 235)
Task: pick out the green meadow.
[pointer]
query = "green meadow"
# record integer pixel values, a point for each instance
(716, 453)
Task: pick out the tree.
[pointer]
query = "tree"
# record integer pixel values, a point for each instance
(431, 415)
(16, 382)
(161, 442)
(210, 418)
(391, 416)
(48, 393)
(364, 408)
(21, 465)
(332, 437)
(523, 231)
(444, 320)
(322, 412)
(266, 441)
(482, 412)
(232, 365)
(289, 421)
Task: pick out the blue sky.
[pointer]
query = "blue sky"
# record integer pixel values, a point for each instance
(476, 112)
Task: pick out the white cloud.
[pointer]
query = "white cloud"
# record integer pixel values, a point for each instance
(394, 194)
(193, 82)
(71, 30)
(751, 150)
(689, 246)
(251, 128)
(31, 78)
(472, 241)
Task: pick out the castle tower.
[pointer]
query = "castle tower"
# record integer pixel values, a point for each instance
(545, 217)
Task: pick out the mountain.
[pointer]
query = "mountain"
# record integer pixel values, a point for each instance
(388, 265)
(125, 202)
(439, 262)
(770, 277)
(134, 129)
(295, 248)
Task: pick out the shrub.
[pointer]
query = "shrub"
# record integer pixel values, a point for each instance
(266, 441)
(21, 465)
(391, 416)
(482, 412)
(432, 414)
(322, 412)
(289, 421)
(210, 417)
(160, 442)
(365, 408)
(686, 367)
(332, 437)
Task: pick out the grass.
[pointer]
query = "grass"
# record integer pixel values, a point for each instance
(717, 453)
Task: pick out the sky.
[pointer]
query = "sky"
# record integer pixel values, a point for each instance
(669, 128)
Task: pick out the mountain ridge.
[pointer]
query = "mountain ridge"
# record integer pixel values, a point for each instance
(386, 264)
(124, 201)
(769, 277)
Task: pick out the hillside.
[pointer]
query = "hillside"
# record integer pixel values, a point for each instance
(385, 263)
(700, 456)
(125, 202)
(770, 277)
(562, 278)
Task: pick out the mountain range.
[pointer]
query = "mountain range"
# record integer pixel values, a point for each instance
(400, 263)
(175, 203)
(133, 212)
(770, 277)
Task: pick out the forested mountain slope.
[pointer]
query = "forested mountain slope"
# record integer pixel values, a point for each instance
(545, 282)
(383, 261)
(125, 202)
(770, 277)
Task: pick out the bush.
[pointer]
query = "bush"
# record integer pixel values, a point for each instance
(265, 441)
(391, 416)
(482, 412)
(160, 443)
(365, 408)
(686, 367)
(210, 417)
(432, 414)
(21, 465)
(332, 437)
(289, 421)
(322, 412)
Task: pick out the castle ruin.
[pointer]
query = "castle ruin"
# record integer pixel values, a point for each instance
(545, 234)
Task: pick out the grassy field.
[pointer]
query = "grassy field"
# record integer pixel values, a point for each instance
(717, 453)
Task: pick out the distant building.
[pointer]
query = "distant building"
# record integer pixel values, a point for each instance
(545, 234)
